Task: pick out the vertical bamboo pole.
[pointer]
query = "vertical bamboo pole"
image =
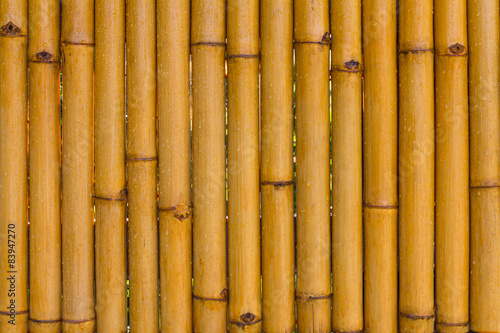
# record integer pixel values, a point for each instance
(312, 47)
(77, 45)
(347, 225)
(380, 165)
(484, 92)
(276, 177)
(175, 163)
(245, 308)
(110, 192)
(208, 46)
(142, 165)
(416, 166)
(452, 167)
(13, 166)
(45, 168)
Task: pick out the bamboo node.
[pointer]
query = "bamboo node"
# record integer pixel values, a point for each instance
(326, 38)
(278, 183)
(248, 317)
(457, 48)
(182, 212)
(313, 297)
(11, 29)
(44, 56)
(416, 317)
(351, 65)
(452, 324)
(224, 293)
(244, 323)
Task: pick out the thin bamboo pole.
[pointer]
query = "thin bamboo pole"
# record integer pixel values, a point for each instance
(416, 167)
(276, 177)
(13, 166)
(380, 165)
(452, 167)
(45, 168)
(312, 47)
(142, 165)
(110, 192)
(347, 223)
(484, 92)
(175, 165)
(245, 307)
(77, 45)
(208, 46)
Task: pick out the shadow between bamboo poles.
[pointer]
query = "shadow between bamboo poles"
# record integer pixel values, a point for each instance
(380, 135)
(208, 46)
(45, 168)
(142, 165)
(452, 167)
(312, 47)
(416, 167)
(484, 76)
(277, 178)
(245, 307)
(175, 162)
(13, 166)
(77, 47)
(110, 193)
(347, 200)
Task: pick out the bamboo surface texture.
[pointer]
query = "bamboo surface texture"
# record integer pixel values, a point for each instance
(276, 164)
(208, 44)
(452, 167)
(110, 191)
(380, 135)
(142, 166)
(347, 200)
(416, 167)
(45, 167)
(13, 166)
(174, 206)
(312, 46)
(245, 308)
(484, 78)
(77, 46)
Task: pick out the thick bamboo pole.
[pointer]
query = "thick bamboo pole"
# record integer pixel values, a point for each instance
(452, 167)
(416, 166)
(13, 166)
(276, 177)
(484, 102)
(245, 307)
(380, 165)
(175, 165)
(208, 46)
(312, 47)
(45, 167)
(142, 165)
(77, 45)
(110, 192)
(347, 224)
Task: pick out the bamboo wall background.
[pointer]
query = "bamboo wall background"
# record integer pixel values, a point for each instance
(249, 166)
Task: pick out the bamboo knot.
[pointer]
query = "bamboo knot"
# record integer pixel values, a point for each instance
(248, 317)
(182, 211)
(44, 56)
(351, 65)
(457, 49)
(326, 38)
(11, 29)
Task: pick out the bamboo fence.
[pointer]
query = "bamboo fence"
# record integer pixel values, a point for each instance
(256, 166)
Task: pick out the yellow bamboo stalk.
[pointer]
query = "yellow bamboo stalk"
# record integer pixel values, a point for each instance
(13, 166)
(347, 225)
(416, 167)
(380, 165)
(142, 165)
(245, 306)
(77, 45)
(276, 177)
(208, 45)
(110, 193)
(484, 92)
(45, 168)
(175, 162)
(312, 47)
(452, 167)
